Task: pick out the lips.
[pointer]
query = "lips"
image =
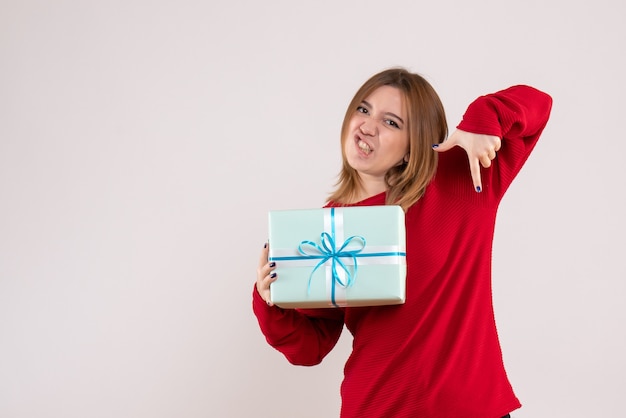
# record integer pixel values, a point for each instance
(364, 146)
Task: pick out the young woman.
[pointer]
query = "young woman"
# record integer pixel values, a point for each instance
(437, 355)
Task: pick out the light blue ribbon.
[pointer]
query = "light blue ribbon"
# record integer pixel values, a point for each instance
(329, 251)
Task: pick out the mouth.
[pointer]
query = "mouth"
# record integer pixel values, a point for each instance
(364, 146)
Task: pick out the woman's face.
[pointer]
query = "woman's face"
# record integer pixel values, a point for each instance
(378, 137)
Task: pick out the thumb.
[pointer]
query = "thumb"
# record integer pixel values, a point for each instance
(445, 145)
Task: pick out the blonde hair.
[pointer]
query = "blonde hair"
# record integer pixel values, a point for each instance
(426, 124)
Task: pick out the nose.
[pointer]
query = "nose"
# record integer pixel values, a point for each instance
(368, 128)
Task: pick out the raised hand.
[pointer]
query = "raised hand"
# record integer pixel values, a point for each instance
(480, 149)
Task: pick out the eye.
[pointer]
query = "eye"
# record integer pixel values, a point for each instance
(392, 123)
(361, 109)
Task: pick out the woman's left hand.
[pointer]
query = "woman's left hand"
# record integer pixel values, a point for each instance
(480, 149)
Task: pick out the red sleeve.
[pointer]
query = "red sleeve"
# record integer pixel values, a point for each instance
(517, 112)
(303, 336)
(517, 115)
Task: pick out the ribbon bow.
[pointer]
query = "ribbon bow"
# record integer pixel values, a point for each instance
(329, 251)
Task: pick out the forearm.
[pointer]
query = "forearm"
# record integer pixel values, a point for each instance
(302, 339)
(519, 111)
(517, 116)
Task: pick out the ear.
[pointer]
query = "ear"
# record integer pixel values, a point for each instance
(406, 158)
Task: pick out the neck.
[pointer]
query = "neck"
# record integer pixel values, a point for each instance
(370, 187)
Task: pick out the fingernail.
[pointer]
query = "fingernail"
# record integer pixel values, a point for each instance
(273, 274)
(272, 264)
(478, 189)
(435, 146)
(265, 245)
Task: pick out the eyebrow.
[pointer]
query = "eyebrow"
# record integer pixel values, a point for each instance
(386, 113)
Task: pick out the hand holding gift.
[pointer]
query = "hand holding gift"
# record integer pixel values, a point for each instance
(265, 275)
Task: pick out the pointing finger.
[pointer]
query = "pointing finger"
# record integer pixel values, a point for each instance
(475, 170)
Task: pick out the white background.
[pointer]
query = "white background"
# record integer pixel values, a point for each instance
(143, 142)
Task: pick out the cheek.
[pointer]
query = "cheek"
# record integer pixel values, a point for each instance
(354, 122)
(405, 141)
(401, 144)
